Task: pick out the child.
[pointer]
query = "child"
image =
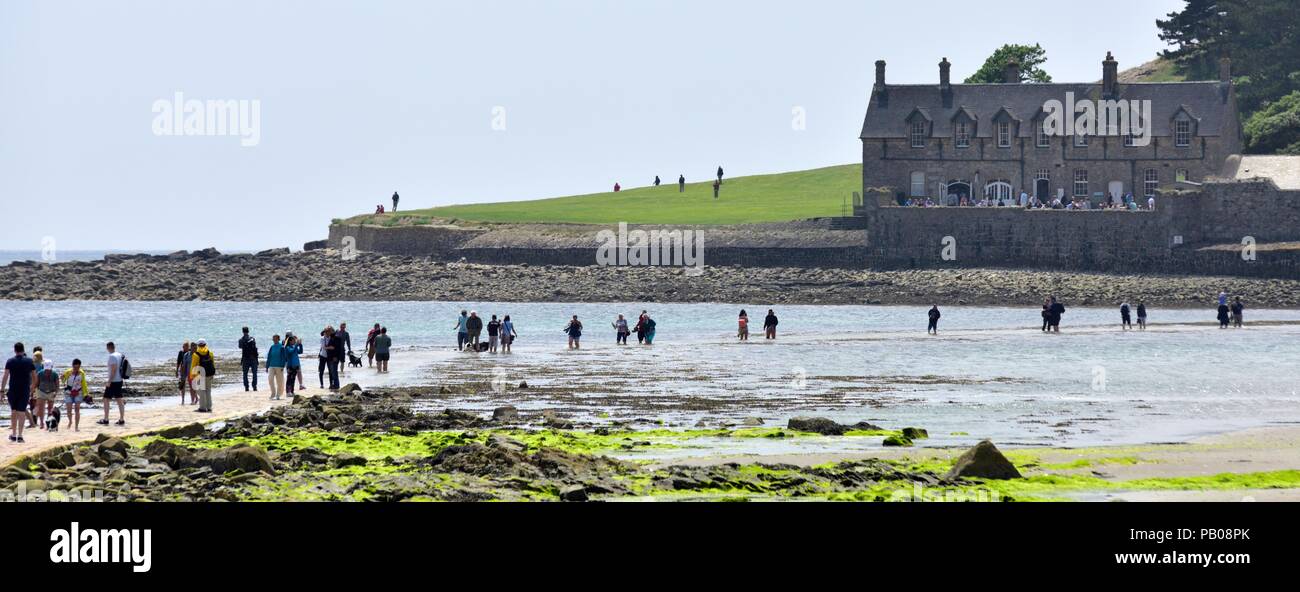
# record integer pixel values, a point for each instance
(743, 330)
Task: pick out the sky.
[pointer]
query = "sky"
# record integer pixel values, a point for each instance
(458, 102)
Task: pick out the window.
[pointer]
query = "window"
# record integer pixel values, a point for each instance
(1043, 140)
(918, 184)
(1004, 134)
(962, 135)
(918, 134)
(1182, 133)
(1043, 175)
(998, 191)
(1129, 141)
(1150, 182)
(1081, 183)
(1080, 140)
(1180, 175)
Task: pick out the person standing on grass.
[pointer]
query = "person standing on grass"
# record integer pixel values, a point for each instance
(1238, 312)
(717, 186)
(47, 390)
(202, 375)
(494, 331)
(681, 183)
(275, 360)
(719, 175)
(620, 330)
(769, 325)
(1142, 316)
(656, 180)
(742, 328)
(474, 324)
(574, 330)
(77, 388)
(17, 383)
(248, 358)
(395, 198)
(507, 334)
(370, 345)
(293, 363)
(383, 346)
(114, 389)
(1125, 319)
(934, 314)
(462, 330)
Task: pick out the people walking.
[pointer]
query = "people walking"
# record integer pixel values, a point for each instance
(275, 363)
(742, 328)
(656, 180)
(1238, 311)
(202, 374)
(769, 325)
(574, 330)
(462, 330)
(248, 359)
(507, 334)
(934, 314)
(113, 392)
(76, 388)
(1125, 319)
(474, 324)
(494, 332)
(395, 198)
(1047, 314)
(17, 384)
(345, 351)
(717, 187)
(681, 183)
(1142, 316)
(620, 330)
(719, 175)
(383, 347)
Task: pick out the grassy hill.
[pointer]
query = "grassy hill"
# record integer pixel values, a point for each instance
(759, 198)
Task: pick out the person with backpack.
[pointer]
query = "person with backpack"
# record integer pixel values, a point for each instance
(248, 358)
(119, 370)
(77, 388)
(202, 375)
(275, 361)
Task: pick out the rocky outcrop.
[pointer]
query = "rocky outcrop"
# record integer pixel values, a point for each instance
(984, 461)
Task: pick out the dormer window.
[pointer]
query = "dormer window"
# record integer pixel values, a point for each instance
(1004, 134)
(1182, 133)
(961, 134)
(918, 134)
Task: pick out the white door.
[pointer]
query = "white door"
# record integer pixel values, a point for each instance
(1116, 191)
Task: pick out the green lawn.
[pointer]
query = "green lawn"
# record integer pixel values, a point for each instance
(760, 198)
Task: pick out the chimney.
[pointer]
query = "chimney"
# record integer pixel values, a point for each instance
(1012, 73)
(945, 78)
(1109, 77)
(880, 74)
(1225, 70)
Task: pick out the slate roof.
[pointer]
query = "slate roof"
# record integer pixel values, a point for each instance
(1206, 101)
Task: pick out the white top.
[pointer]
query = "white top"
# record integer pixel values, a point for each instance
(115, 367)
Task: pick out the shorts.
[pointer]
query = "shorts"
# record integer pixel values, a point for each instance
(381, 357)
(44, 396)
(114, 391)
(19, 401)
(71, 400)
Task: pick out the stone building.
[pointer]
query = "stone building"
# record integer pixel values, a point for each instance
(966, 140)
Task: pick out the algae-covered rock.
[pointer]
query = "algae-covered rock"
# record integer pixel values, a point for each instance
(507, 414)
(817, 425)
(984, 461)
(192, 430)
(347, 460)
(897, 440)
(244, 458)
(915, 434)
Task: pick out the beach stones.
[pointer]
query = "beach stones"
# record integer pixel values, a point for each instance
(984, 461)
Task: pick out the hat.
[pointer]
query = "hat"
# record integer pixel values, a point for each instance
(49, 365)
(203, 343)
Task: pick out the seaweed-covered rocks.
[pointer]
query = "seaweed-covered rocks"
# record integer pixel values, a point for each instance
(984, 461)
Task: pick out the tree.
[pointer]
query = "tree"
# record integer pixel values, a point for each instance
(1275, 129)
(1197, 34)
(1030, 57)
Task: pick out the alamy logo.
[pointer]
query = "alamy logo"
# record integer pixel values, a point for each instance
(181, 117)
(74, 545)
(681, 248)
(1087, 117)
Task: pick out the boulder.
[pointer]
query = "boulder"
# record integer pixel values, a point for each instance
(344, 459)
(192, 430)
(243, 458)
(167, 453)
(114, 444)
(752, 422)
(897, 440)
(315, 245)
(817, 425)
(350, 388)
(984, 461)
(507, 414)
(573, 493)
(915, 434)
(273, 252)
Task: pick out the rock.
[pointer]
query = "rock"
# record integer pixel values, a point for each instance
(344, 459)
(315, 245)
(865, 426)
(32, 485)
(752, 422)
(915, 434)
(817, 425)
(168, 453)
(574, 493)
(984, 461)
(192, 430)
(507, 414)
(236, 458)
(897, 440)
(350, 388)
(273, 252)
(117, 445)
(208, 253)
(523, 384)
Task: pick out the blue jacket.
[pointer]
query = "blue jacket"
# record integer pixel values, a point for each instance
(291, 356)
(275, 357)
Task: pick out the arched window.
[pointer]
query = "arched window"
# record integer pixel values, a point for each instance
(998, 191)
(918, 184)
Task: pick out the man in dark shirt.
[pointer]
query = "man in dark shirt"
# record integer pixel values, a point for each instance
(934, 314)
(20, 378)
(248, 358)
(336, 353)
(475, 326)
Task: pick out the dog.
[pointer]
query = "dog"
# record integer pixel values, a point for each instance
(52, 420)
(354, 360)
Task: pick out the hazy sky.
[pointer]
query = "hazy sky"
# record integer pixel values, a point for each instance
(361, 98)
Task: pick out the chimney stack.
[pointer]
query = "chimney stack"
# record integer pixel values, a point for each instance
(1012, 73)
(1225, 70)
(945, 69)
(880, 74)
(1110, 77)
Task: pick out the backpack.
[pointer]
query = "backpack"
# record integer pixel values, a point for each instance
(124, 370)
(209, 367)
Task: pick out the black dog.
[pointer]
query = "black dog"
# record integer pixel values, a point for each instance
(354, 360)
(52, 420)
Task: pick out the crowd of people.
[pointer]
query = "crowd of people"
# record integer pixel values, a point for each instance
(1032, 202)
(681, 185)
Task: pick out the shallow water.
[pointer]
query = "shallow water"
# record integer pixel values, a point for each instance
(991, 373)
